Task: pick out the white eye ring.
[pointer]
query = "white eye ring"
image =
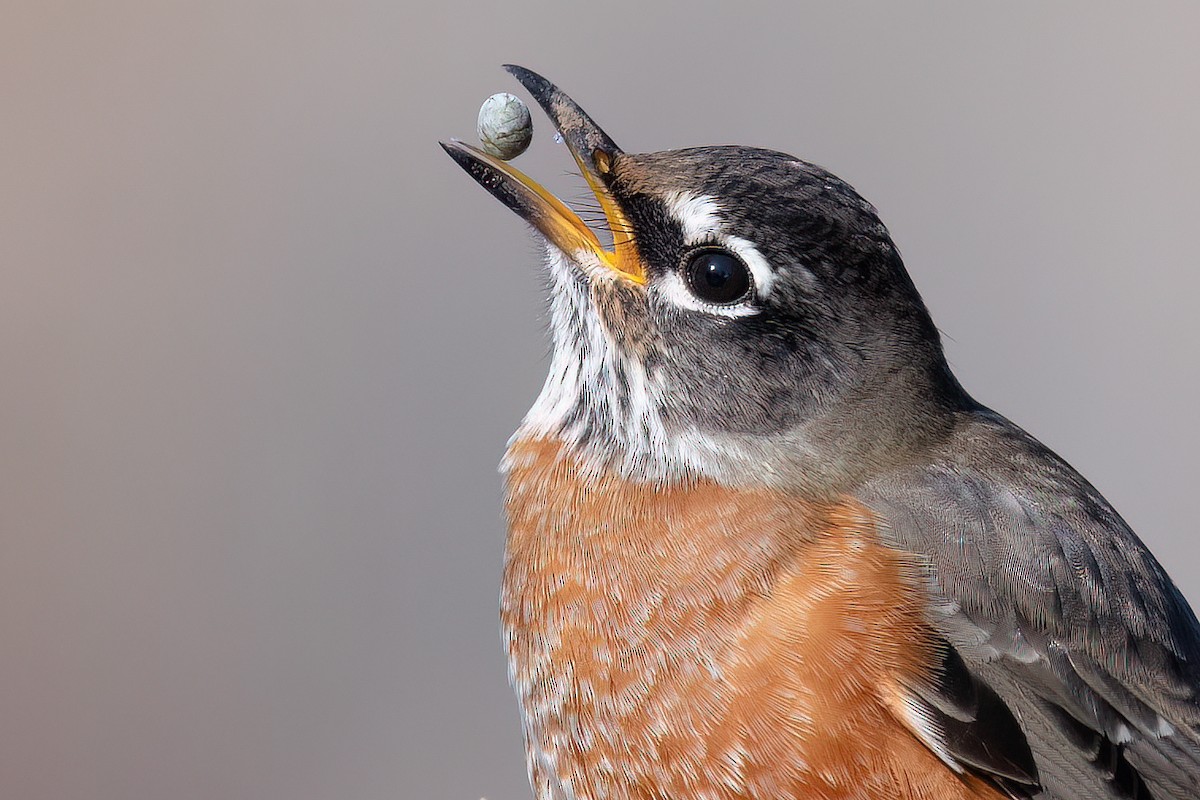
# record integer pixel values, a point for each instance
(699, 216)
(673, 288)
(748, 254)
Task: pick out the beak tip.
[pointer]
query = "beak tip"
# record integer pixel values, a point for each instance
(582, 134)
(519, 72)
(543, 91)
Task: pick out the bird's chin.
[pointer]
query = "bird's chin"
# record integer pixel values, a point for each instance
(586, 267)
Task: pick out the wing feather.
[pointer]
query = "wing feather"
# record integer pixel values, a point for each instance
(1053, 602)
(970, 728)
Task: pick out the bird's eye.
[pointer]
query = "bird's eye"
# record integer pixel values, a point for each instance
(717, 277)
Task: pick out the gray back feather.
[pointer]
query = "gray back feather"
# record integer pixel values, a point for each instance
(1051, 599)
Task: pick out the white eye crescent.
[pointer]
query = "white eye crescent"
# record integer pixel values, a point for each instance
(699, 216)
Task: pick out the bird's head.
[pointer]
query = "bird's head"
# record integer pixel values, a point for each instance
(752, 321)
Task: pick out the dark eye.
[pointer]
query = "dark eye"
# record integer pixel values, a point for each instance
(717, 277)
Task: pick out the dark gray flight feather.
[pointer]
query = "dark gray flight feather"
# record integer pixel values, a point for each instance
(973, 727)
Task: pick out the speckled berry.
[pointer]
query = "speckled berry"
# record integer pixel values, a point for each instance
(505, 127)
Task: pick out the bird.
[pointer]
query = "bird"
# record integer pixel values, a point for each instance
(763, 544)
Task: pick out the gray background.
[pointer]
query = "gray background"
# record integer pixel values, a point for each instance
(261, 342)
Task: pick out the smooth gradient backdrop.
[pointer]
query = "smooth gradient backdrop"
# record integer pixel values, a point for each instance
(262, 343)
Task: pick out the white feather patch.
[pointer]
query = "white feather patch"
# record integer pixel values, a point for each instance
(918, 721)
(699, 216)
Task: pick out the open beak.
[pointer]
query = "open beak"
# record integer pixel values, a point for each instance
(593, 151)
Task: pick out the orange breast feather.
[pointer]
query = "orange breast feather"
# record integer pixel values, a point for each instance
(697, 641)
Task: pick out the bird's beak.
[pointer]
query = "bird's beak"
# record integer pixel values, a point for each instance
(593, 151)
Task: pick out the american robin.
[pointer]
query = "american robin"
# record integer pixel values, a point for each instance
(762, 544)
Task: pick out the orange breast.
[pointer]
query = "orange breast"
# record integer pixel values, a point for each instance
(696, 641)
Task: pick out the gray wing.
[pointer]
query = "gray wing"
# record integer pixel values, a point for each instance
(1052, 601)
